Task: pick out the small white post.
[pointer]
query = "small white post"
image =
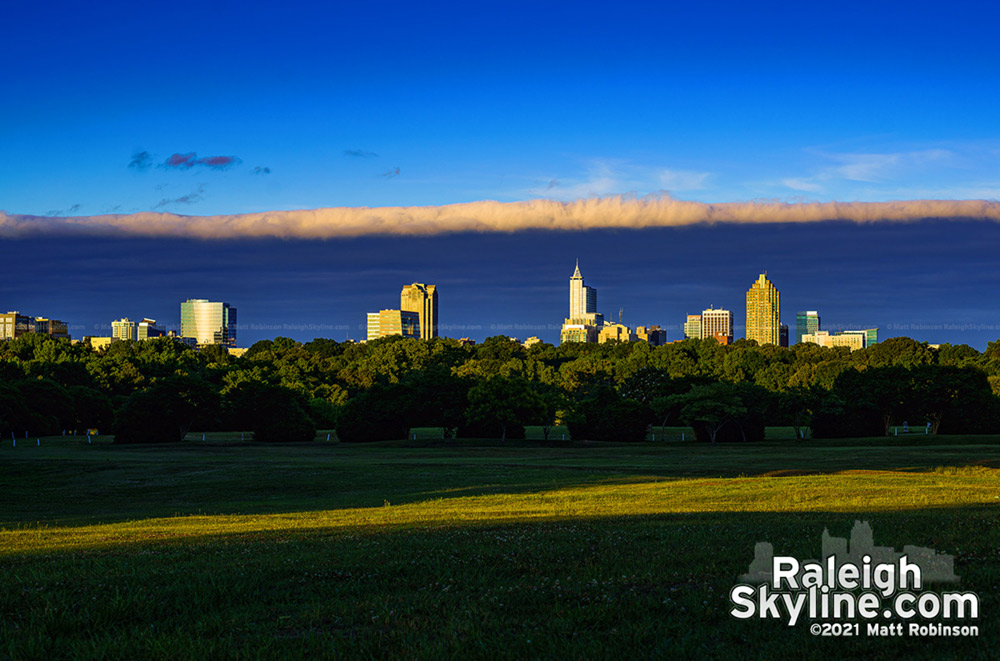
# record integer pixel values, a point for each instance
(328, 437)
(682, 436)
(564, 437)
(38, 442)
(15, 442)
(203, 437)
(895, 431)
(241, 436)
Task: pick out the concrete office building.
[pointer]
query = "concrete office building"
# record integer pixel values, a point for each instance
(870, 335)
(824, 339)
(123, 329)
(618, 332)
(654, 335)
(717, 322)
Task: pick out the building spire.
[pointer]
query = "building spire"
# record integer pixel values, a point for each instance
(576, 273)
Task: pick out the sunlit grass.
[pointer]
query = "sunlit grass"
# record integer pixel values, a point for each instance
(851, 491)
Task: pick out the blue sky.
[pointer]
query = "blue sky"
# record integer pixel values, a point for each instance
(380, 104)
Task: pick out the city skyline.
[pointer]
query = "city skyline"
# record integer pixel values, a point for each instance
(318, 178)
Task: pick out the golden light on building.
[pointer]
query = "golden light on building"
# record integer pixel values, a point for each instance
(423, 300)
(763, 312)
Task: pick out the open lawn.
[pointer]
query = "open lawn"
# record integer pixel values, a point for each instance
(429, 548)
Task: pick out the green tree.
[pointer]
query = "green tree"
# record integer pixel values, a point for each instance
(166, 410)
(502, 402)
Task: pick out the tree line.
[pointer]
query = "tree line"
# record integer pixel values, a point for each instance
(284, 390)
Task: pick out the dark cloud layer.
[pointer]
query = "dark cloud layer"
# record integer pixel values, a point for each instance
(933, 280)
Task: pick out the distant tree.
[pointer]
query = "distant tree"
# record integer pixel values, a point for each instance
(165, 411)
(603, 415)
(14, 416)
(377, 414)
(436, 398)
(710, 408)
(217, 354)
(271, 412)
(502, 402)
(50, 406)
(92, 409)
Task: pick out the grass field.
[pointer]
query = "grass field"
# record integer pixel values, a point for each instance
(429, 548)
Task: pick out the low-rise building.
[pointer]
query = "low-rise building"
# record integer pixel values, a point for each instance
(824, 339)
(654, 335)
(616, 332)
(579, 329)
(393, 322)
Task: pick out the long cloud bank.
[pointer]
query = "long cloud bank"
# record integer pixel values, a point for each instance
(596, 213)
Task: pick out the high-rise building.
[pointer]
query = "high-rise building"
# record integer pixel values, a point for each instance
(123, 329)
(423, 300)
(208, 322)
(763, 312)
(717, 322)
(692, 327)
(393, 322)
(783, 335)
(584, 322)
(147, 329)
(806, 323)
(582, 299)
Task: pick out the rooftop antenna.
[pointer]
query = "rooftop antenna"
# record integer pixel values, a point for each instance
(620, 311)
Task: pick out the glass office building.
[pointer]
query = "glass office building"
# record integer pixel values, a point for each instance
(208, 322)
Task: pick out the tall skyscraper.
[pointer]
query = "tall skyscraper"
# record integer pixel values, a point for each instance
(806, 323)
(716, 323)
(582, 299)
(692, 327)
(208, 322)
(123, 329)
(423, 300)
(584, 322)
(763, 312)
